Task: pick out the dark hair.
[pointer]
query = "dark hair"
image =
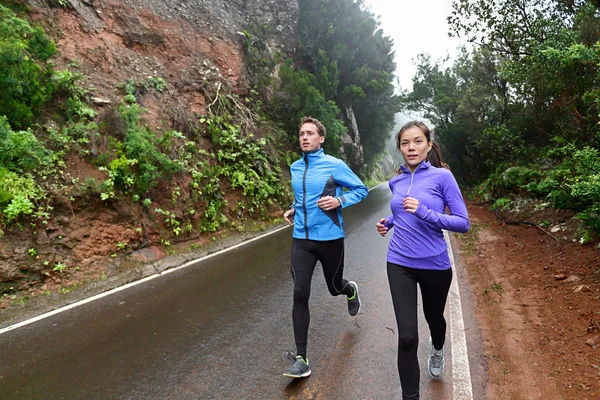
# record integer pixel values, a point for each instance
(434, 156)
(310, 120)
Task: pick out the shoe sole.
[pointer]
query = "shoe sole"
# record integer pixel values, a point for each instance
(358, 296)
(304, 375)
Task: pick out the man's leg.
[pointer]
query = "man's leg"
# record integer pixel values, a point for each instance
(302, 266)
(331, 255)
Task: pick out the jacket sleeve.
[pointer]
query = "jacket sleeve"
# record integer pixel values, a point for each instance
(389, 222)
(346, 178)
(458, 220)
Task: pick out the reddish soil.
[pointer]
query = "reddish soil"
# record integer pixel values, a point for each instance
(538, 297)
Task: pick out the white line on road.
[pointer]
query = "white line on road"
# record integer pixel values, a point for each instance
(115, 290)
(120, 288)
(461, 373)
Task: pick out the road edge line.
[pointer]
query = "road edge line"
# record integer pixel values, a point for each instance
(462, 388)
(142, 280)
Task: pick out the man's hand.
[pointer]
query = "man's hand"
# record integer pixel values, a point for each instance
(289, 216)
(328, 203)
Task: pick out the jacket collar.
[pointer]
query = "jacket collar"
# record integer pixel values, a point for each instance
(423, 165)
(313, 154)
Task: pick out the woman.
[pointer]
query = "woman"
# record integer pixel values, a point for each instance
(417, 252)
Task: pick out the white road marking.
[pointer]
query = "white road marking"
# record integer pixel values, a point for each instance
(120, 288)
(461, 373)
(115, 290)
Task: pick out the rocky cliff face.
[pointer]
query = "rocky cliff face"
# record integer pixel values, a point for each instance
(186, 42)
(196, 46)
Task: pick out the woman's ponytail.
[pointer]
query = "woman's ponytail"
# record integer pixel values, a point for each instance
(435, 156)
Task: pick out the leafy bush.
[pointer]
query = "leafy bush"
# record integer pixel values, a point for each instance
(24, 76)
(139, 164)
(21, 150)
(18, 194)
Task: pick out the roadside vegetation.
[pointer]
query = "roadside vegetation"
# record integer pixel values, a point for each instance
(518, 115)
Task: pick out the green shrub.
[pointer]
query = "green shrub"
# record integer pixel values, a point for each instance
(21, 150)
(24, 75)
(18, 194)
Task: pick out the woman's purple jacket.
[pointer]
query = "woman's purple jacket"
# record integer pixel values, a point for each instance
(418, 240)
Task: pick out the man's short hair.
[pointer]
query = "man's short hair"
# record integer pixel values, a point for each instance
(310, 120)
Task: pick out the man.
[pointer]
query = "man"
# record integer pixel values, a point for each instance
(317, 181)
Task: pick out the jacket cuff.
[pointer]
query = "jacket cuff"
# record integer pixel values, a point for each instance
(421, 211)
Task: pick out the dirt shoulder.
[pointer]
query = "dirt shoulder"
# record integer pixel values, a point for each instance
(538, 298)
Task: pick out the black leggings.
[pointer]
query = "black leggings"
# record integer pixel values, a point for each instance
(434, 285)
(303, 259)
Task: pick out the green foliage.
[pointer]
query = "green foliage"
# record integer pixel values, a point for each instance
(300, 97)
(502, 203)
(139, 164)
(20, 150)
(353, 65)
(18, 195)
(24, 74)
(343, 62)
(520, 114)
(135, 88)
(241, 159)
(68, 83)
(258, 59)
(59, 267)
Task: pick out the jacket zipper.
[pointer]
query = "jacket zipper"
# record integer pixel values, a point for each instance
(412, 176)
(304, 195)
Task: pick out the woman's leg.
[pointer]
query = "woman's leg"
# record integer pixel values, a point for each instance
(302, 266)
(434, 286)
(403, 286)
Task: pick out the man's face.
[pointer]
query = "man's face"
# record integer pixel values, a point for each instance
(310, 140)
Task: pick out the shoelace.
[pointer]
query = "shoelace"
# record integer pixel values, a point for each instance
(436, 360)
(290, 355)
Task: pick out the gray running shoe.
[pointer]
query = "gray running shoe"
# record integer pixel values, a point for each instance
(299, 368)
(435, 363)
(354, 301)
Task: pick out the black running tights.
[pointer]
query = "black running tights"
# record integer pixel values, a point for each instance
(303, 259)
(434, 285)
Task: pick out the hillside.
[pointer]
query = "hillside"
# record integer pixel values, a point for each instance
(145, 75)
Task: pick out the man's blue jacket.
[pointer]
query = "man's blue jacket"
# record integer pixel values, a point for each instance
(316, 175)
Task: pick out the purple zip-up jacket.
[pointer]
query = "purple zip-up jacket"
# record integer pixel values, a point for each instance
(418, 240)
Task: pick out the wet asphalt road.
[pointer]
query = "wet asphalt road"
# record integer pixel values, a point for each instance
(219, 329)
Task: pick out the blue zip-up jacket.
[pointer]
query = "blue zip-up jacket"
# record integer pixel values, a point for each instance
(316, 175)
(418, 240)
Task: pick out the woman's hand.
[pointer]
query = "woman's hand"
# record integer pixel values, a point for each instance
(289, 216)
(410, 204)
(381, 228)
(328, 203)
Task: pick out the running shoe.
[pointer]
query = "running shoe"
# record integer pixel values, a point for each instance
(354, 301)
(299, 368)
(435, 363)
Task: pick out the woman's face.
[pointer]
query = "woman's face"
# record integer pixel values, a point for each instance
(414, 147)
(310, 140)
